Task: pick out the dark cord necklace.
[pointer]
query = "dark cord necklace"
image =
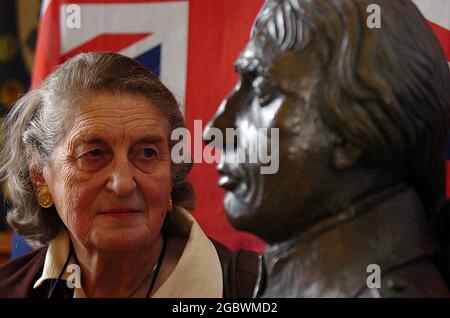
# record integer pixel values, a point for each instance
(51, 293)
(158, 267)
(155, 271)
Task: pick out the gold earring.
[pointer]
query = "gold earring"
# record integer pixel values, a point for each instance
(44, 197)
(170, 209)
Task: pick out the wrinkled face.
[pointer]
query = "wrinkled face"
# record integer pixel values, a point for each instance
(110, 176)
(275, 91)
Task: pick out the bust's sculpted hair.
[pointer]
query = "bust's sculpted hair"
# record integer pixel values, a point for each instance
(38, 121)
(383, 90)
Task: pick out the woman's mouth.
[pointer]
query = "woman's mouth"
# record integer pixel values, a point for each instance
(120, 213)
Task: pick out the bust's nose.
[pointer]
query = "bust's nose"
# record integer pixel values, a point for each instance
(224, 118)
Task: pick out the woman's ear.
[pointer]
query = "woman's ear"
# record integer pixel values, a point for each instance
(37, 176)
(346, 155)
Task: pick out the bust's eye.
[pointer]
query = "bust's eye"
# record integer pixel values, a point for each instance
(265, 91)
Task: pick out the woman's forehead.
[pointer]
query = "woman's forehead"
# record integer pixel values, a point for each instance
(121, 101)
(120, 106)
(106, 114)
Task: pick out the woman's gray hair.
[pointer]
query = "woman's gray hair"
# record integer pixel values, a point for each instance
(37, 122)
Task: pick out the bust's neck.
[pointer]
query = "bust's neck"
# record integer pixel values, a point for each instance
(330, 258)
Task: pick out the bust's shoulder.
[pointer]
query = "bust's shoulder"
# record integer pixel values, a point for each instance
(418, 279)
(18, 275)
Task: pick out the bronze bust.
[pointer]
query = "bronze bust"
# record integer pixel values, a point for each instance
(362, 116)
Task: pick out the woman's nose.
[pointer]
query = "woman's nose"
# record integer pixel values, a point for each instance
(121, 180)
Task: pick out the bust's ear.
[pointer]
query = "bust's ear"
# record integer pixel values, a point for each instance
(37, 176)
(346, 155)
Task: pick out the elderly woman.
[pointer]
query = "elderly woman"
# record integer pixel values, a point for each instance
(87, 161)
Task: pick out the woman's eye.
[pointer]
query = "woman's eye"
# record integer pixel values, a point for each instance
(148, 152)
(94, 153)
(93, 160)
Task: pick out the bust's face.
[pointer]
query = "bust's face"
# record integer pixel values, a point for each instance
(275, 90)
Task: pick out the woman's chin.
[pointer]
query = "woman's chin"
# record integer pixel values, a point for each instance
(120, 238)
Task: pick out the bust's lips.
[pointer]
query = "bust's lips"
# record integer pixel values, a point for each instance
(228, 183)
(230, 177)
